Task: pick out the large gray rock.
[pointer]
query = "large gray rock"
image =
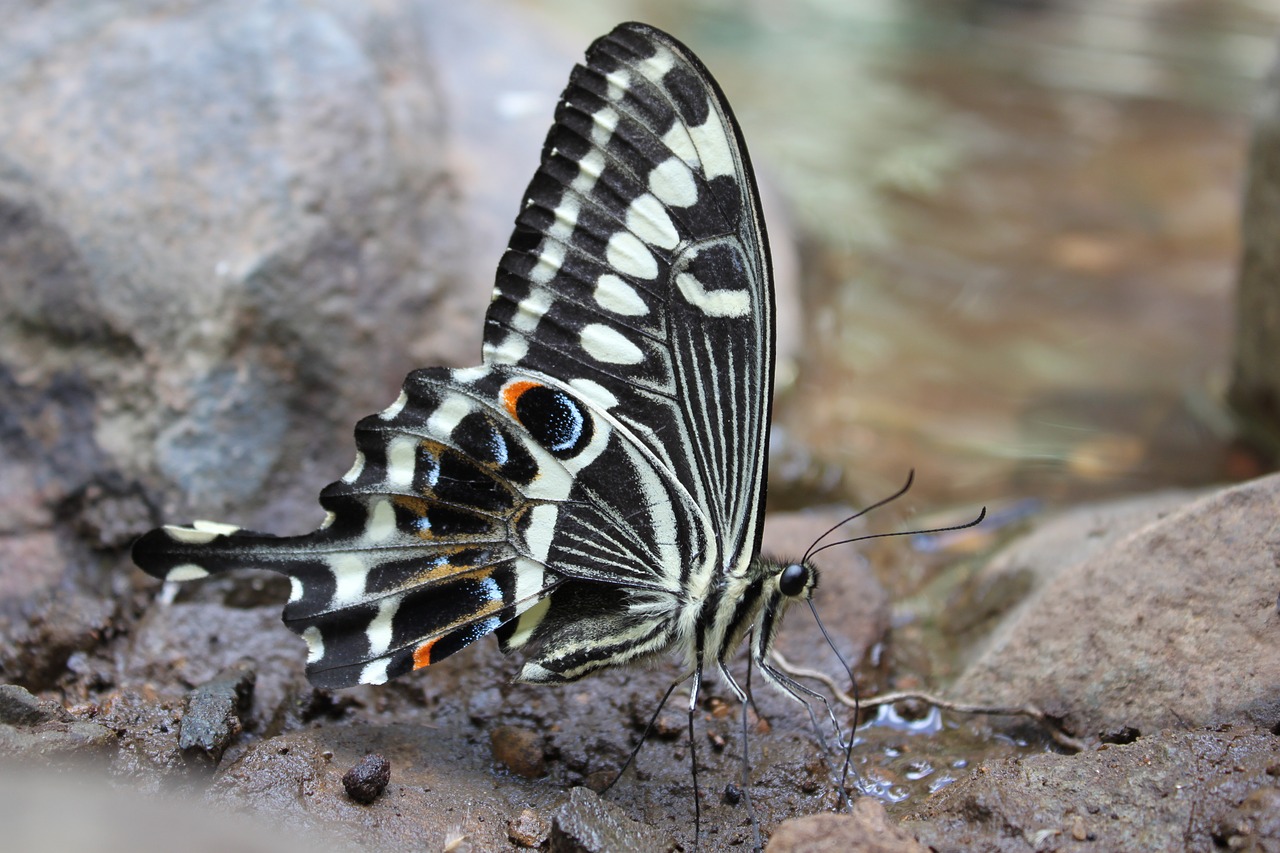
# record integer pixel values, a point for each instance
(1173, 624)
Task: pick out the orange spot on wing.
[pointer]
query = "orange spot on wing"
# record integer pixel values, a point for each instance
(512, 393)
(422, 654)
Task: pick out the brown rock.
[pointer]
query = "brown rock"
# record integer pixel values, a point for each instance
(867, 829)
(528, 829)
(1173, 624)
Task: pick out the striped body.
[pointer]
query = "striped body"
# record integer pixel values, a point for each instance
(593, 492)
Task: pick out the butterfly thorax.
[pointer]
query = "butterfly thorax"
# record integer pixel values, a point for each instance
(754, 601)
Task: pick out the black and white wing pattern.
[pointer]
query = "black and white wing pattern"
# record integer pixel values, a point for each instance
(593, 491)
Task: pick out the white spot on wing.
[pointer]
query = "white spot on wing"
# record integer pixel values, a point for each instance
(672, 182)
(679, 141)
(550, 257)
(619, 82)
(589, 169)
(629, 256)
(656, 67)
(542, 526)
(315, 644)
(200, 532)
(566, 217)
(649, 220)
(374, 672)
(605, 123)
(608, 345)
(530, 310)
(713, 145)
(614, 294)
(713, 303)
(356, 469)
(379, 630)
(594, 393)
(395, 408)
(529, 620)
(445, 419)
(349, 573)
(530, 579)
(513, 348)
(401, 453)
(186, 572)
(382, 522)
(295, 590)
(469, 375)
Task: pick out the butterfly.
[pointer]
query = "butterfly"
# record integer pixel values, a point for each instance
(593, 492)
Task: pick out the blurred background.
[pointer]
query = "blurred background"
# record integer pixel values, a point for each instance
(1019, 226)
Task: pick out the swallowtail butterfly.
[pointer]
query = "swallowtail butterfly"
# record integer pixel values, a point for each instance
(593, 492)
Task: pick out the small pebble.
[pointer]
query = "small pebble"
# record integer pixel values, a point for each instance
(366, 781)
(528, 829)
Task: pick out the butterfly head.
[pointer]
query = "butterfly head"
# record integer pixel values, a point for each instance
(797, 580)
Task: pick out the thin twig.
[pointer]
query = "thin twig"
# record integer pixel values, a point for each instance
(1028, 710)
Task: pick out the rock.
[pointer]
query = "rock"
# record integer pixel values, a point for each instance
(867, 829)
(200, 643)
(1015, 575)
(366, 781)
(1168, 791)
(212, 716)
(528, 829)
(1173, 624)
(18, 707)
(57, 743)
(588, 824)
(519, 750)
(1252, 826)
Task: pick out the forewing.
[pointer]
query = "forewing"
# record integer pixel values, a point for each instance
(638, 273)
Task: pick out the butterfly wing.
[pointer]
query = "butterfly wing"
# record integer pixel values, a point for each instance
(608, 455)
(639, 273)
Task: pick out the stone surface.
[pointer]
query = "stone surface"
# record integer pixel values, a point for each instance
(18, 707)
(588, 824)
(1018, 573)
(1169, 791)
(1173, 624)
(211, 718)
(866, 829)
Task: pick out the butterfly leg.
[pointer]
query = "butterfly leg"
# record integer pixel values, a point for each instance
(744, 699)
(693, 751)
(799, 693)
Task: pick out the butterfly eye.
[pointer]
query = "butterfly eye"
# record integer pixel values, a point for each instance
(793, 580)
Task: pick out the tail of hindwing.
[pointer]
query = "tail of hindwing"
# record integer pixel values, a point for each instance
(420, 553)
